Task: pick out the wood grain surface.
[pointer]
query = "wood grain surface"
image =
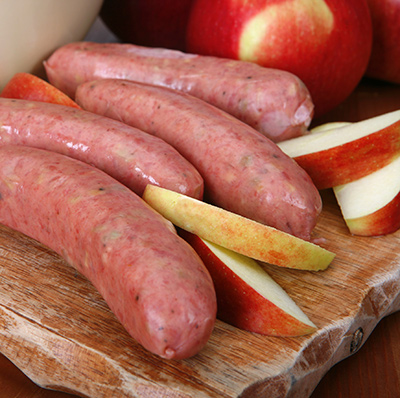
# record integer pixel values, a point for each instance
(60, 333)
(374, 371)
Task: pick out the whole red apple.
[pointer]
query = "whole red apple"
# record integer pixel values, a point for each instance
(385, 57)
(152, 23)
(325, 43)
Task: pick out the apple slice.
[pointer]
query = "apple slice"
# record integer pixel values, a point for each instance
(236, 232)
(328, 126)
(371, 205)
(336, 156)
(247, 296)
(32, 88)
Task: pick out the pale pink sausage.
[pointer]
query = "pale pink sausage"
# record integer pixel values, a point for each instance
(243, 171)
(274, 102)
(126, 153)
(151, 279)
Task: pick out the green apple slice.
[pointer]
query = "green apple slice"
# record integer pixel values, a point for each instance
(237, 233)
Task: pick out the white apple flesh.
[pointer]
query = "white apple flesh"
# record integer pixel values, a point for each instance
(236, 232)
(328, 126)
(336, 156)
(248, 298)
(371, 205)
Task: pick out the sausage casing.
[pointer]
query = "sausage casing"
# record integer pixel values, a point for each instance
(272, 101)
(126, 153)
(151, 279)
(243, 171)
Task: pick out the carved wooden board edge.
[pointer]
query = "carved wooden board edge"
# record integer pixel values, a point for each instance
(67, 339)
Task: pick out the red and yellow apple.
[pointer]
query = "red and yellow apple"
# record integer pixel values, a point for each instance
(385, 57)
(237, 233)
(247, 296)
(29, 87)
(152, 23)
(337, 156)
(326, 43)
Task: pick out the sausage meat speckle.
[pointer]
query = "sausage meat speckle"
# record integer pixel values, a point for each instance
(152, 280)
(126, 153)
(274, 102)
(243, 171)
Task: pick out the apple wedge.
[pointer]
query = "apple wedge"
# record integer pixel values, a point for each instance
(32, 88)
(247, 297)
(336, 156)
(328, 126)
(371, 205)
(236, 232)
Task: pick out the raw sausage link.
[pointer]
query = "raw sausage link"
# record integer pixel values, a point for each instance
(151, 279)
(274, 102)
(126, 153)
(243, 170)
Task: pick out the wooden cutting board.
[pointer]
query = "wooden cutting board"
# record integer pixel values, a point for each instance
(57, 329)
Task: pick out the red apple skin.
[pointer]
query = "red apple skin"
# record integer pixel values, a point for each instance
(151, 23)
(351, 161)
(32, 88)
(385, 57)
(239, 304)
(382, 222)
(330, 63)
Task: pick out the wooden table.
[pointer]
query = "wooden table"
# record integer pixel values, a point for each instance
(374, 370)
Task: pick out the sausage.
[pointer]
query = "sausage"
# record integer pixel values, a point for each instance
(126, 153)
(272, 101)
(152, 280)
(243, 171)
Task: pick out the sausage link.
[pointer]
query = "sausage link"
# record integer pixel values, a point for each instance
(128, 154)
(151, 279)
(243, 171)
(272, 101)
